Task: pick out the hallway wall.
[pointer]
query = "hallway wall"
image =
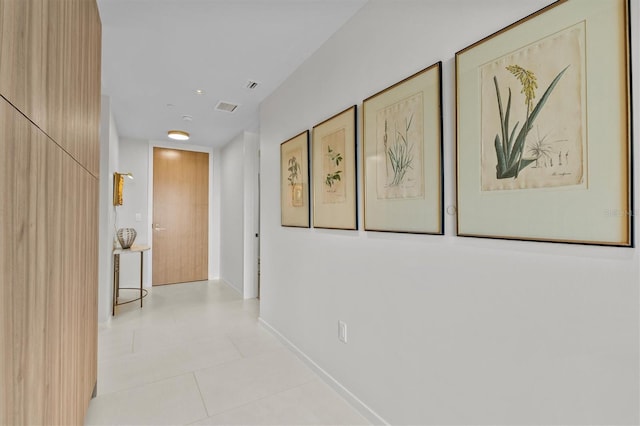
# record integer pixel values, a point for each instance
(134, 212)
(239, 213)
(438, 332)
(109, 147)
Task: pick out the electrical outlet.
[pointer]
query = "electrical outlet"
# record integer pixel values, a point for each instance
(342, 331)
(138, 217)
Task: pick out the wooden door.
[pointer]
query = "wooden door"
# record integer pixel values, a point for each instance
(180, 216)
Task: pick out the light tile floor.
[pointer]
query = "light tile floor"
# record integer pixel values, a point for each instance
(196, 354)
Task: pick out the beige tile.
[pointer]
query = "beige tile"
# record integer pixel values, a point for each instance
(114, 343)
(131, 317)
(168, 402)
(313, 403)
(325, 403)
(148, 359)
(224, 317)
(267, 411)
(152, 339)
(254, 341)
(141, 368)
(238, 382)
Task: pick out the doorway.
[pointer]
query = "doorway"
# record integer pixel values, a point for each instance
(180, 216)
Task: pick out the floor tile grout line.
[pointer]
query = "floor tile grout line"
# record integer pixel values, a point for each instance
(242, 357)
(174, 346)
(204, 404)
(153, 382)
(176, 375)
(236, 360)
(284, 349)
(225, 362)
(253, 401)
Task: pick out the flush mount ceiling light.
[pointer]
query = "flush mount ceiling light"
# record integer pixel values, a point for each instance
(178, 135)
(199, 92)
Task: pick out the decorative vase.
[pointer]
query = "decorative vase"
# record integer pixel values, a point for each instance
(126, 237)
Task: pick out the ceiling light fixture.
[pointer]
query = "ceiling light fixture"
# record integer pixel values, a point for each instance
(178, 135)
(199, 92)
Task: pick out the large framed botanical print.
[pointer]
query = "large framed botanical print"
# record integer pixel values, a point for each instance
(334, 172)
(402, 155)
(543, 128)
(294, 181)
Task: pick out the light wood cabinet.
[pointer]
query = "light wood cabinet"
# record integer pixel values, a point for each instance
(49, 156)
(48, 265)
(23, 52)
(73, 58)
(50, 70)
(22, 347)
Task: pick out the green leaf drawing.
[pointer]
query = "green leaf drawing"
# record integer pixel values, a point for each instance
(293, 169)
(509, 152)
(400, 154)
(332, 178)
(335, 158)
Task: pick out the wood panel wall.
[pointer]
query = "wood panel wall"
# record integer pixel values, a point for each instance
(49, 157)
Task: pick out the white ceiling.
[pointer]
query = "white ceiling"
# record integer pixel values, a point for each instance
(158, 52)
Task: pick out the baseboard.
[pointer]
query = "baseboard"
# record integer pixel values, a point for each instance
(363, 408)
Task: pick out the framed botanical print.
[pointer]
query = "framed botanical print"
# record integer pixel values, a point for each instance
(543, 128)
(334, 172)
(294, 181)
(402, 156)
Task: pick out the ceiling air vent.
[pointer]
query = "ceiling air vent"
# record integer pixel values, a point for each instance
(226, 107)
(251, 84)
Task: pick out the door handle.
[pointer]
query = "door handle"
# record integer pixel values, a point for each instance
(156, 227)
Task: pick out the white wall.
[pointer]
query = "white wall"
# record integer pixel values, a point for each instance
(215, 220)
(232, 204)
(134, 159)
(438, 331)
(251, 215)
(239, 213)
(109, 149)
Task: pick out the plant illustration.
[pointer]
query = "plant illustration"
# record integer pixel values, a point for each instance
(294, 169)
(386, 153)
(400, 154)
(334, 176)
(509, 146)
(541, 150)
